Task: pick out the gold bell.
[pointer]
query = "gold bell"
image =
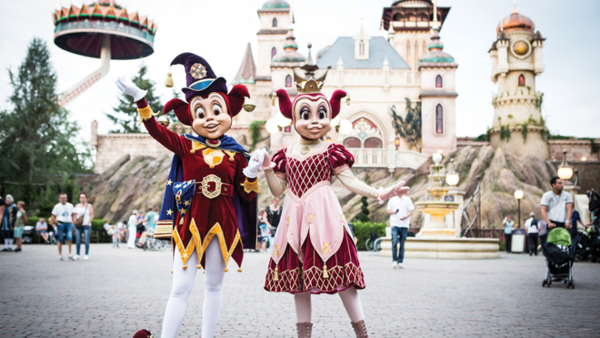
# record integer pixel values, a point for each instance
(169, 81)
(249, 105)
(347, 100)
(163, 121)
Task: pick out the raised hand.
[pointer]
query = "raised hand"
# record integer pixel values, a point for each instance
(255, 162)
(267, 160)
(129, 88)
(396, 190)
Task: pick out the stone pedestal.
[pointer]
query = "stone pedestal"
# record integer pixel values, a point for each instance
(436, 226)
(445, 248)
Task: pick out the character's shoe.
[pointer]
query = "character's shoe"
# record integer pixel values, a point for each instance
(18, 250)
(143, 334)
(304, 330)
(360, 329)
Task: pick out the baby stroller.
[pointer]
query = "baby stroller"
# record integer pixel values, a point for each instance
(557, 251)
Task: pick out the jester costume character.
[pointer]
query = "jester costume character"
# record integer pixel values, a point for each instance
(314, 251)
(209, 208)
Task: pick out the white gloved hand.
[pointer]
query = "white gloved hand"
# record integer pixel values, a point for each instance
(255, 162)
(129, 88)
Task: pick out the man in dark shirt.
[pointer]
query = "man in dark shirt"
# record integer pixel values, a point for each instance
(273, 217)
(2, 207)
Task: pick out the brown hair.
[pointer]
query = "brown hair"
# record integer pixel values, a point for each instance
(21, 203)
(83, 193)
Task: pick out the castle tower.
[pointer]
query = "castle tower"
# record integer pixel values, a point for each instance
(438, 98)
(409, 23)
(516, 55)
(275, 19)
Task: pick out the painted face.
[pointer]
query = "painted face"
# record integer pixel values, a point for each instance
(210, 118)
(312, 118)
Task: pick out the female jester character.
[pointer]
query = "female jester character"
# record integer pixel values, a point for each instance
(313, 249)
(211, 188)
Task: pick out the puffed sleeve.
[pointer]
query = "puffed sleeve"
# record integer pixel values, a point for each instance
(280, 161)
(339, 158)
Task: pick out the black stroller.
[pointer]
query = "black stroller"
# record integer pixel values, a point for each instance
(557, 251)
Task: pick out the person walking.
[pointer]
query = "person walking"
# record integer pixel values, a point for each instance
(2, 208)
(20, 222)
(83, 212)
(131, 230)
(509, 225)
(151, 217)
(41, 227)
(557, 206)
(400, 209)
(8, 223)
(263, 229)
(63, 215)
(273, 217)
(575, 219)
(531, 227)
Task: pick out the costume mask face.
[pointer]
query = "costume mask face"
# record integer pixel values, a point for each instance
(312, 118)
(210, 117)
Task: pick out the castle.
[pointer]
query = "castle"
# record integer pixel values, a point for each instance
(402, 90)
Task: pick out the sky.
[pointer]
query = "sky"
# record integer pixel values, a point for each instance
(219, 31)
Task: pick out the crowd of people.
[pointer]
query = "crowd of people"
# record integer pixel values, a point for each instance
(556, 209)
(268, 221)
(67, 222)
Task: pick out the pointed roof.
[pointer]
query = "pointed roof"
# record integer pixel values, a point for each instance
(247, 72)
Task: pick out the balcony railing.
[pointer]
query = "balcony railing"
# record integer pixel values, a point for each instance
(386, 158)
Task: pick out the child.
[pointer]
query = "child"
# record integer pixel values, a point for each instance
(115, 236)
(264, 230)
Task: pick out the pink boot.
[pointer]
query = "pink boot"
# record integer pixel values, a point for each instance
(304, 330)
(360, 329)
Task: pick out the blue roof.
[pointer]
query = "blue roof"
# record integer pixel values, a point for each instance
(379, 49)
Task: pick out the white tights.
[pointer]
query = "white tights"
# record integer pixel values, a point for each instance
(8, 243)
(183, 281)
(349, 297)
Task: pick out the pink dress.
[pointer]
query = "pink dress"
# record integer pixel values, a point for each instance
(313, 247)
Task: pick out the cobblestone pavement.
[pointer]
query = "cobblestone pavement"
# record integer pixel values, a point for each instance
(119, 290)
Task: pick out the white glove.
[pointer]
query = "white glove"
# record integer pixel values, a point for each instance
(256, 161)
(129, 88)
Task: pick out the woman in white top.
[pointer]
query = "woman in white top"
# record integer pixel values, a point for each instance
(131, 231)
(83, 208)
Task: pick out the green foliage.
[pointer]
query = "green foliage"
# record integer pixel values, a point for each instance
(539, 100)
(38, 144)
(505, 133)
(363, 215)
(510, 116)
(32, 220)
(126, 106)
(363, 230)
(255, 132)
(528, 90)
(559, 137)
(524, 131)
(410, 127)
(98, 224)
(483, 137)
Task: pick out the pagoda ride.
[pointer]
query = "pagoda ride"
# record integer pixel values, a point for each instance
(103, 30)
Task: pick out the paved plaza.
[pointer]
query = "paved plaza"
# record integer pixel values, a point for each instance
(119, 290)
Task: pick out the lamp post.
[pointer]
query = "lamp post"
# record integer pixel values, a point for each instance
(397, 142)
(452, 176)
(565, 171)
(519, 196)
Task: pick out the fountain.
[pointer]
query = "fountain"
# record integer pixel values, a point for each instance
(440, 230)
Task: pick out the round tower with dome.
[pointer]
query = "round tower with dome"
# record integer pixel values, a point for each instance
(518, 126)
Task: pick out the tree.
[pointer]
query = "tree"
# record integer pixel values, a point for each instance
(36, 137)
(410, 127)
(363, 215)
(128, 107)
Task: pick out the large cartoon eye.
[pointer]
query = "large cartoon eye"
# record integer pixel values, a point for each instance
(217, 110)
(322, 112)
(200, 112)
(304, 113)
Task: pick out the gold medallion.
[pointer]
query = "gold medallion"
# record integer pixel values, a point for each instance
(304, 150)
(213, 157)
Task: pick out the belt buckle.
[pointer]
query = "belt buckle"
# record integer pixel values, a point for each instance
(208, 179)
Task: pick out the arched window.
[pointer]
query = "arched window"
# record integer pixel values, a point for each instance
(439, 119)
(274, 22)
(423, 17)
(372, 142)
(273, 53)
(408, 59)
(398, 17)
(416, 52)
(288, 81)
(352, 142)
(412, 17)
(438, 82)
(521, 80)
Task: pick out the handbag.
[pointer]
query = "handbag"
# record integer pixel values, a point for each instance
(79, 220)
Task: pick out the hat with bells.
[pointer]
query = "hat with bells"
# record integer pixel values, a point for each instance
(202, 81)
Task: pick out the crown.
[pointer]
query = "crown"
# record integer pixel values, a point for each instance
(310, 86)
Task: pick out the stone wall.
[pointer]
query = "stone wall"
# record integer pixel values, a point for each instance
(589, 174)
(576, 149)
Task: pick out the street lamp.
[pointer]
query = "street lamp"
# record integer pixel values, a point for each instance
(565, 171)
(397, 142)
(452, 175)
(519, 196)
(282, 121)
(345, 127)
(272, 126)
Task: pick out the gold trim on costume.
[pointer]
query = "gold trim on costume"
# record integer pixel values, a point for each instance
(212, 157)
(146, 114)
(163, 229)
(231, 155)
(196, 242)
(250, 186)
(218, 231)
(196, 146)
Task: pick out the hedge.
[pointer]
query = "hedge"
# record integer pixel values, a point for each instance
(363, 230)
